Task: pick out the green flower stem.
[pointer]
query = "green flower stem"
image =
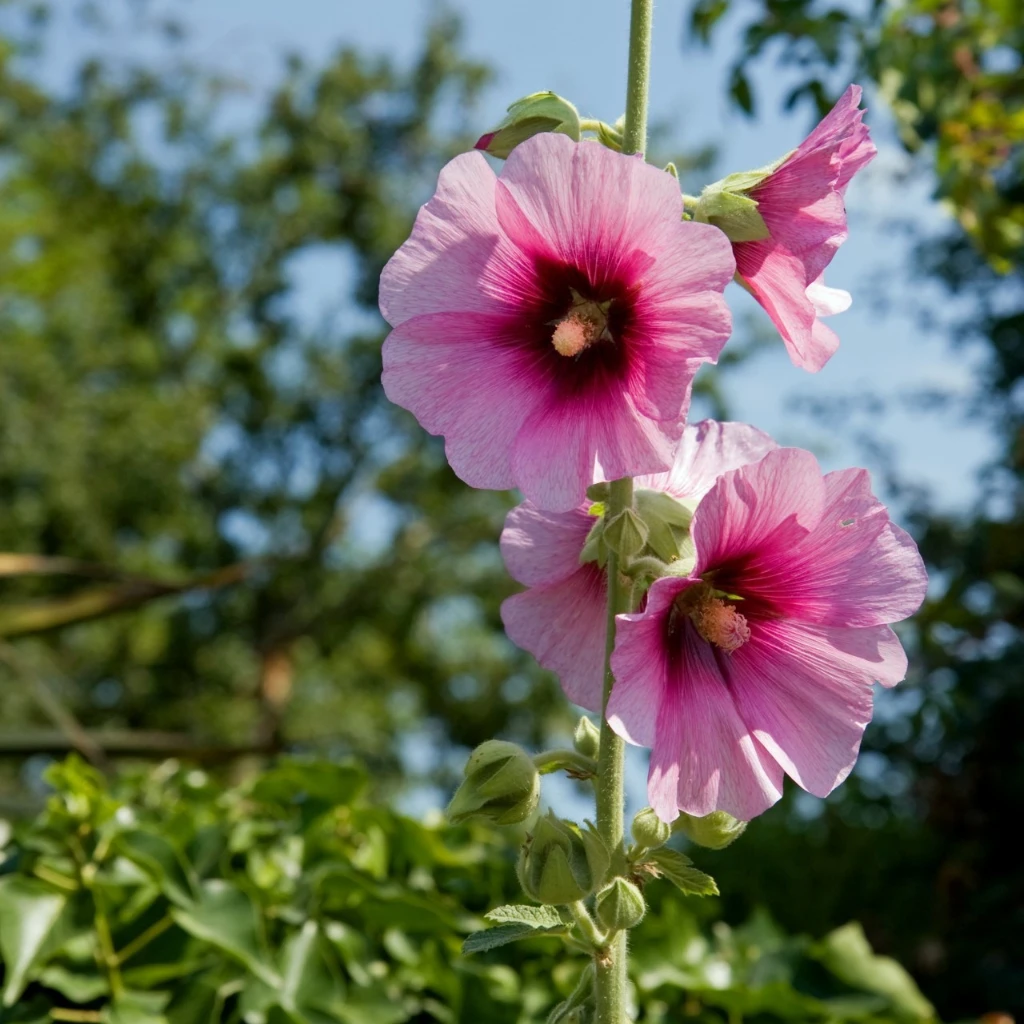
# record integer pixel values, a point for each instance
(588, 926)
(611, 967)
(610, 977)
(634, 134)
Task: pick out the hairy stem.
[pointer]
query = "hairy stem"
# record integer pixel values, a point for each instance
(611, 969)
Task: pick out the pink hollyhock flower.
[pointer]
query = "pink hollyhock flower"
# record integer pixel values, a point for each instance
(762, 661)
(802, 205)
(561, 620)
(549, 322)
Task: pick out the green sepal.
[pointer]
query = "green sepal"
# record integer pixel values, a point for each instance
(714, 831)
(532, 115)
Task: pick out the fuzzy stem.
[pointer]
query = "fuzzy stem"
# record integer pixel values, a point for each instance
(611, 970)
(634, 134)
(610, 977)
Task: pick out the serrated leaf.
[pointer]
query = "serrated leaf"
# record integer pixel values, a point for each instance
(502, 935)
(28, 912)
(521, 913)
(679, 870)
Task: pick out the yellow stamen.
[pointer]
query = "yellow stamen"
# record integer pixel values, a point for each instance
(720, 624)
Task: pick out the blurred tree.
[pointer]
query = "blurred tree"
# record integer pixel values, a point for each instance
(169, 407)
(921, 835)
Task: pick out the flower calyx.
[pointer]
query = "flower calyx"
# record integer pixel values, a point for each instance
(620, 906)
(529, 116)
(652, 538)
(586, 738)
(562, 863)
(501, 785)
(714, 831)
(729, 206)
(649, 831)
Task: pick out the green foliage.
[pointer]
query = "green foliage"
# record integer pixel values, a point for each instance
(161, 898)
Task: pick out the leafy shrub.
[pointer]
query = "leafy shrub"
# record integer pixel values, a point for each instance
(163, 898)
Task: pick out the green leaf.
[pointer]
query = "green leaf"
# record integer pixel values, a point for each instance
(29, 911)
(226, 917)
(502, 935)
(307, 978)
(161, 861)
(520, 913)
(78, 986)
(679, 870)
(848, 955)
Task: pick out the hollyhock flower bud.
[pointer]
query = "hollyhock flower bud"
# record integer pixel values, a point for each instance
(549, 322)
(715, 831)
(562, 863)
(501, 786)
(649, 830)
(620, 906)
(761, 663)
(533, 114)
(786, 222)
(586, 738)
(562, 619)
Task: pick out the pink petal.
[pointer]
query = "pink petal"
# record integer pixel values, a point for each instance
(568, 445)
(458, 378)
(456, 258)
(707, 450)
(563, 625)
(591, 207)
(777, 280)
(544, 547)
(675, 701)
(772, 504)
(805, 692)
(855, 568)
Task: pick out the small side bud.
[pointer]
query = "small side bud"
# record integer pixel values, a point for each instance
(502, 786)
(561, 863)
(667, 520)
(649, 830)
(595, 548)
(715, 831)
(539, 112)
(620, 906)
(586, 738)
(626, 534)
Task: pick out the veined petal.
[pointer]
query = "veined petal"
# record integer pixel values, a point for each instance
(805, 692)
(544, 547)
(563, 625)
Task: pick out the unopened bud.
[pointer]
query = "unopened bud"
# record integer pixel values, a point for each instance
(562, 863)
(501, 785)
(620, 906)
(586, 738)
(649, 830)
(667, 521)
(626, 534)
(532, 115)
(715, 831)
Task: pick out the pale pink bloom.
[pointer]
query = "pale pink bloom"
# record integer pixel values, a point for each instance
(549, 322)
(561, 620)
(802, 205)
(761, 663)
